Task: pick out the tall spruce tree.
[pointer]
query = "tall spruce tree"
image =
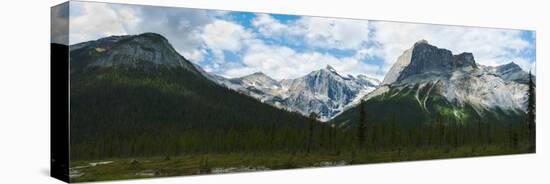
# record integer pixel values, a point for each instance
(362, 126)
(531, 114)
(313, 120)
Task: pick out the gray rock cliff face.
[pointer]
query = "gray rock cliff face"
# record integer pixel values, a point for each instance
(402, 61)
(425, 59)
(463, 60)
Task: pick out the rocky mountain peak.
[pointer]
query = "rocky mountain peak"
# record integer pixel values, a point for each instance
(464, 60)
(328, 71)
(330, 68)
(510, 72)
(424, 60)
(143, 50)
(510, 66)
(256, 74)
(427, 59)
(257, 80)
(422, 41)
(326, 92)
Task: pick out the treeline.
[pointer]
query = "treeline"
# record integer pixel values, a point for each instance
(379, 137)
(317, 138)
(445, 133)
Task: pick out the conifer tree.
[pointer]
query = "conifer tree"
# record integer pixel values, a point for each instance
(313, 119)
(531, 114)
(362, 126)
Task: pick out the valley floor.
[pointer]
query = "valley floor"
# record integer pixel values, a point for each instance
(147, 167)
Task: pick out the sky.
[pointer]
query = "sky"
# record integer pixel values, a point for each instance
(235, 44)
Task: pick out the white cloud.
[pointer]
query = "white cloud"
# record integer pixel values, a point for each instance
(333, 33)
(268, 26)
(100, 20)
(316, 31)
(196, 55)
(282, 62)
(489, 46)
(225, 35)
(222, 35)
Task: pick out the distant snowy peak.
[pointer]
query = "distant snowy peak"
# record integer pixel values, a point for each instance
(331, 69)
(324, 80)
(324, 91)
(327, 71)
(259, 80)
(510, 72)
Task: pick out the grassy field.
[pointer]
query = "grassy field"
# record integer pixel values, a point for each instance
(132, 168)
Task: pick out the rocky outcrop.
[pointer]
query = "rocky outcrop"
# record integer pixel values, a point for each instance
(425, 61)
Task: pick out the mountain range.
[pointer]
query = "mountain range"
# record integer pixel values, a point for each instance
(435, 80)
